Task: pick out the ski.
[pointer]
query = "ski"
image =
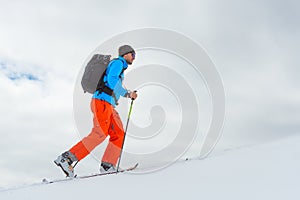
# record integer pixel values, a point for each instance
(46, 181)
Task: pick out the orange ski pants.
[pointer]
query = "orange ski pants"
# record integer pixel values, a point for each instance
(106, 122)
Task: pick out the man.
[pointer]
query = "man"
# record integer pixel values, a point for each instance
(106, 121)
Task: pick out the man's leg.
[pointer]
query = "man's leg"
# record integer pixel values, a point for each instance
(116, 133)
(101, 123)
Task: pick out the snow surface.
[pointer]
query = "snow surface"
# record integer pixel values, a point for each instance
(268, 171)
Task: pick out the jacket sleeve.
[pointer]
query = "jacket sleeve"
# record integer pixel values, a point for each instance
(113, 78)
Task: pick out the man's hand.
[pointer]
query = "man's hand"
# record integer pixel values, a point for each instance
(133, 95)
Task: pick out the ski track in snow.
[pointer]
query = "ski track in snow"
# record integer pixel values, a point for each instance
(266, 171)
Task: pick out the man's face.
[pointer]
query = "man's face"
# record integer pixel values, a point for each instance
(129, 58)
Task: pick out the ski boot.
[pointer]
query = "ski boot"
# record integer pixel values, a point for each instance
(106, 167)
(64, 161)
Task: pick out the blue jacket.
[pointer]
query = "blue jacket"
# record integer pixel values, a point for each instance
(113, 79)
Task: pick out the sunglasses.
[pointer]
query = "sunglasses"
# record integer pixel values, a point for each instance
(133, 55)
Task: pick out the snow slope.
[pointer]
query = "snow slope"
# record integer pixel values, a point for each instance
(268, 171)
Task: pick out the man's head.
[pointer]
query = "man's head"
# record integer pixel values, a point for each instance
(128, 53)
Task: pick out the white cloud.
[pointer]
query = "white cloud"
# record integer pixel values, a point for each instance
(35, 114)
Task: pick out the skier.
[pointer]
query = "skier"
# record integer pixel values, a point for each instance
(106, 121)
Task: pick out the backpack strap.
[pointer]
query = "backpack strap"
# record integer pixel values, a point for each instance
(101, 87)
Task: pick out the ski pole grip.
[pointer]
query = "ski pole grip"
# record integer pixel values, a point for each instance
(135, 92)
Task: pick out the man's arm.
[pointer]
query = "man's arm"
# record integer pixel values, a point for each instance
(113, 78)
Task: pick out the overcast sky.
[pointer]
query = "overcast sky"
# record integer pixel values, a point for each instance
(254, 44)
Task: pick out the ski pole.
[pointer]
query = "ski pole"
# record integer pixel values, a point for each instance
(128, 118)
